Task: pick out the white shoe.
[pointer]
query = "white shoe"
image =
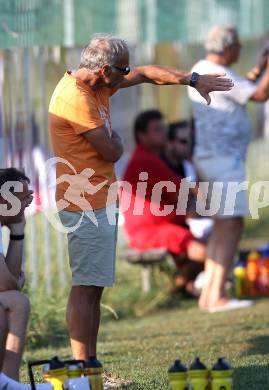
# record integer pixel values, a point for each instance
(232, 304)
(199, 281)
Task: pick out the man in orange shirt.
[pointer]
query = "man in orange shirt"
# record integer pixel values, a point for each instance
(87, 149)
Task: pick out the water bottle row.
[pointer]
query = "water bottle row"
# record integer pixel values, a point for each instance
(69, 374)
(198, 377)
(251, 272)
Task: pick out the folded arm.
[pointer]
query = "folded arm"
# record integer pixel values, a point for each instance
(109, 147)
(14, 256)
(7, 280)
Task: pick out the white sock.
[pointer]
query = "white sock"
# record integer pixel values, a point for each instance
(7, 383)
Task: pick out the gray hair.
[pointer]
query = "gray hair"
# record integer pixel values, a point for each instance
(219, 38)
(103, 49)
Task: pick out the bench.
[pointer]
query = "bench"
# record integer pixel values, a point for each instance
(147, 259)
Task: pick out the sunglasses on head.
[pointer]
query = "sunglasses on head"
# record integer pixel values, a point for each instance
(125, 70)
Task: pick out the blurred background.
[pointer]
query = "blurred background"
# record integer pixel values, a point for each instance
(40, 39)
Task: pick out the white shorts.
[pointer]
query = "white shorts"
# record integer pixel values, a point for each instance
(226, 174)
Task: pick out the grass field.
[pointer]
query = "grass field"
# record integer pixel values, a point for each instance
(142, 349)
(153, 330)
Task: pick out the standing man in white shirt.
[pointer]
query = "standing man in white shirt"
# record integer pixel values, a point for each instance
(223, 132)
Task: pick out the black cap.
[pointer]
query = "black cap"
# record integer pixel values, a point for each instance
(197, 365)
(221, 365)
(177, 367)
(93, 363)
(55, 363)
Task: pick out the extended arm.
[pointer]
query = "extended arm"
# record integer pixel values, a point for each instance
(261, 94)
(160, 75)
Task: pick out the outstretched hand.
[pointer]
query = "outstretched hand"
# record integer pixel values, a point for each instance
(255, 72)
(212, 82)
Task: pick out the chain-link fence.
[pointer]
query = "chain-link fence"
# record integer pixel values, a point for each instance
(41, 39)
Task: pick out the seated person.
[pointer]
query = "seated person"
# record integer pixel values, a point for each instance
(6, 383)
(150, 195)
(177, 156)
(14, 305)
(177, 153)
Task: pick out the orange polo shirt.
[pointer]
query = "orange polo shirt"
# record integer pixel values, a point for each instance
(83, 176)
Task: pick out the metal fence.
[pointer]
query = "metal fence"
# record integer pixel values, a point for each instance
(71, 22)
(29, 73)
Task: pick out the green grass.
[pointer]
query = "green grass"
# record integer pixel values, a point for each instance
(155, 329)
(142, 349)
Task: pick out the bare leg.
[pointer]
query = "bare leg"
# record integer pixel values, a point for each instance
(222, 248)
(18, 313)
(197, 251)
(3, 334)
(209, 276)
(83, 320)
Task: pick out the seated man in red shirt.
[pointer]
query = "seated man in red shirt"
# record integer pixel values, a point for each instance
(150, 195)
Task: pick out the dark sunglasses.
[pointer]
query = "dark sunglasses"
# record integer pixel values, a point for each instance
(125, 70)
(182, 141)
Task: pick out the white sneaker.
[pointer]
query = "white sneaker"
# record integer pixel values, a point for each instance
(199, 281)
(232, 304)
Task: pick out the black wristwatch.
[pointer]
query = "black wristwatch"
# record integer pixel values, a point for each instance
(16, 237)
(194, 79)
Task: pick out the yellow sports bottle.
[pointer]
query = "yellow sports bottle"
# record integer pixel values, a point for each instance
(56, 373)
(31, 364)
(74, 368)
(93, 369)
(222, 376)
(178, 376)
(198, 376)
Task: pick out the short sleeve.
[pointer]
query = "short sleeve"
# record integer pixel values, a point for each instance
(112, 91)
(242, 91)
(83, 114)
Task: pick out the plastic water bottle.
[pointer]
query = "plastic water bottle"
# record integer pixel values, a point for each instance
(93, 369)
(221, 375)
(198, 376)
(264, 272)
(178, 376)
(253, 273)
(240, 275)
(77, 384)
(55, 372)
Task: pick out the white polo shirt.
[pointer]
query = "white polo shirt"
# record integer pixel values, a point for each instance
(223, 128)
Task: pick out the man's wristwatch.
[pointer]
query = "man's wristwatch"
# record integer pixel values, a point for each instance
(16, 237)
(194, 79)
